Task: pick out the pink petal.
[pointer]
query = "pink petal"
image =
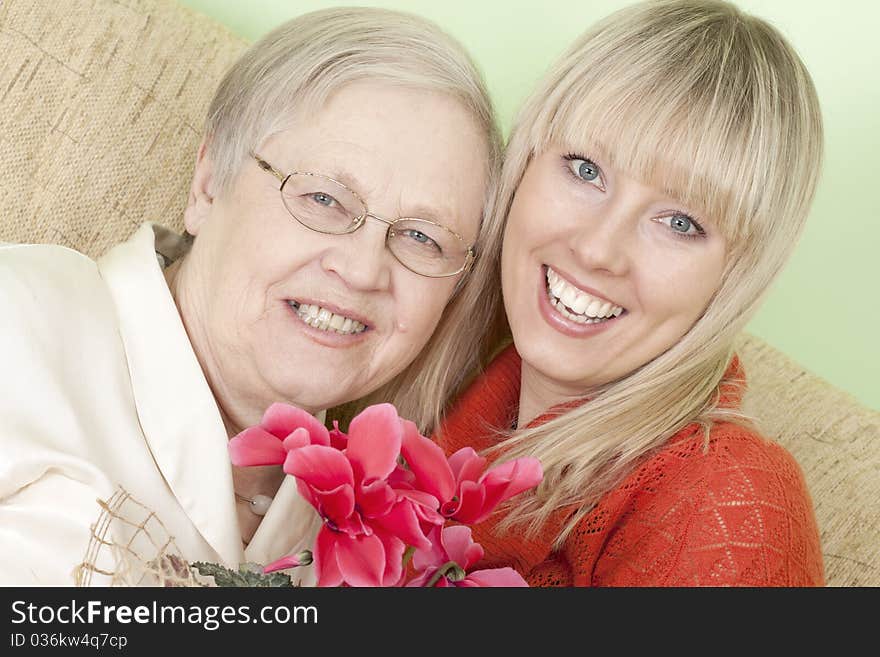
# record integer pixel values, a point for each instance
(403, 522)
(299, 438)
(460, 546)
(336, 504)
(466, 464)
(283, 419)
(338, 439)
(508, 479)
(434, 555)
(401, 477)
(354, 526)
(290, 561)
(420, 497)
(422, 579)
(428, 463)
(374, 437)
(425, 505)
(254, 446)
(470, 503)
(394, 549)
(494, 577)
(361, 560)
(306, 492)
(376, 499)
(322, 468)
(326, 566)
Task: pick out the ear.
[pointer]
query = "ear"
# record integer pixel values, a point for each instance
(201, 198)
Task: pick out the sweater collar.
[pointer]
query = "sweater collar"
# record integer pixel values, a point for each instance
(490, 405)
(491, 402)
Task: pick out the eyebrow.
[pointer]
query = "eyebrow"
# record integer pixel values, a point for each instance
(441, 214)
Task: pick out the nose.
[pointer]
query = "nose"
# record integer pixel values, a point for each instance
(603, 239)
(360, 258)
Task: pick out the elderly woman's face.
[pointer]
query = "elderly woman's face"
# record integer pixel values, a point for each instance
(256, 274)
(600, 272)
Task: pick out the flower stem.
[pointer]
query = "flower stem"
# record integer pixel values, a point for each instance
(450, 570)
(408, 554)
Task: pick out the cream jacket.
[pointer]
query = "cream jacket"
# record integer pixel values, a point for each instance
(100, 388)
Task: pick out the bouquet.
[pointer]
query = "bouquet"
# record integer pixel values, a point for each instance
(395, 510)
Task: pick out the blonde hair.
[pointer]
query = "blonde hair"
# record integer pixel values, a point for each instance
(714, 107)
(299, 65)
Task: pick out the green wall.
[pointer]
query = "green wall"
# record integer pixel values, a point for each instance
(824, 310)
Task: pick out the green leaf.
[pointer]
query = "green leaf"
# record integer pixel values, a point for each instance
(248, 575)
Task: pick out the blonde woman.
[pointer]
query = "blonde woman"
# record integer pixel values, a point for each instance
(654, 186)
(335, 215)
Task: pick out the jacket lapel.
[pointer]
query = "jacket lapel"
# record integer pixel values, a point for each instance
(177, 411)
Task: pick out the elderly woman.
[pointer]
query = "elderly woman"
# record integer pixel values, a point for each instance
(334, 217)
(654, 186)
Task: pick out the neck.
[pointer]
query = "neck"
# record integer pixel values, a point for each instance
(538, 394)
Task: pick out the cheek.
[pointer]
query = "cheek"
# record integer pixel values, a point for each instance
(419, 309)
(688, 285)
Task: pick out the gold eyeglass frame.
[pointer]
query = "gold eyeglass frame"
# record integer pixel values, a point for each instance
(470, 254)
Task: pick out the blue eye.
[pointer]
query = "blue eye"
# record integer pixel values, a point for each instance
(323, 199)
(681, 223)
(587, 170)
(584, 169)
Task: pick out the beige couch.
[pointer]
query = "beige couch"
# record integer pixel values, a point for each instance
(101, 105)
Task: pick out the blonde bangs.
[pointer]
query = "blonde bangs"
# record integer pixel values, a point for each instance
(694, 113)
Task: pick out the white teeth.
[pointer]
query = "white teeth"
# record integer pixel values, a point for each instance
(569, 295)
(580, 304)
(576, 304)
(323, 319)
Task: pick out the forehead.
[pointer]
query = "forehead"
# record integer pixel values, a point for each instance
(404, 151)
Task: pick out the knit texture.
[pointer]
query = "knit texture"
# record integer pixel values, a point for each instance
(736, 515)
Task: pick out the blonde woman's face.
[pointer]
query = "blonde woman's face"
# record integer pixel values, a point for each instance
(284, 313)
(600, 272)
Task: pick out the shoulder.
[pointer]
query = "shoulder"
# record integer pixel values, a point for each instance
(44, 286)
(731, 450)
(39, 277)
(60, 351)
(737, 473)
(733, 512)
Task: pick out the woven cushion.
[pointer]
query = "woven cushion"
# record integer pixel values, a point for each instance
(101, 109)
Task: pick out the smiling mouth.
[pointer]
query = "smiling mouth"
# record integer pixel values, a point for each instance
(575, 304)
(323, 319)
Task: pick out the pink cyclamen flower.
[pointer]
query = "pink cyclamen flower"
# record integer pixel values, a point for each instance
(303, 558)
(468, 493)
(452, 554)
(283, 428)
(367, 522)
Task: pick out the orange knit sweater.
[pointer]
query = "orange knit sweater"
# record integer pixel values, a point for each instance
(738, 515)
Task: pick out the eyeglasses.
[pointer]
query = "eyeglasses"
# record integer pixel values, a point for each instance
(327, 206)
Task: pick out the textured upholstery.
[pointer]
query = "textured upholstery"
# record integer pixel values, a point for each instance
(101, 109)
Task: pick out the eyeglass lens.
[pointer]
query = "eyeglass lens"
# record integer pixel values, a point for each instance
(326, 206)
